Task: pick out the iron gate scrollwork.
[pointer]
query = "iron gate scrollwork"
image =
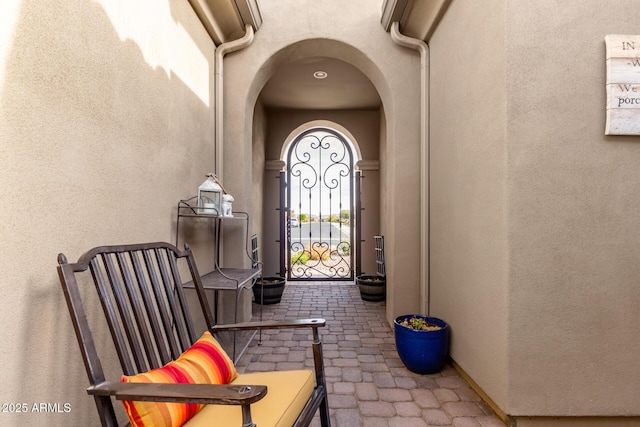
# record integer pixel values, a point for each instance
(320, 207)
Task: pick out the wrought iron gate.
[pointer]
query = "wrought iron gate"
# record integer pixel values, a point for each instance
(319, 213)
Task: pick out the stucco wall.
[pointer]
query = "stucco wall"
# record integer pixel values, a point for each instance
(573, 203)
(257, 173)
(106, 122)
(534, 239)
(351, 32)
(468, 200)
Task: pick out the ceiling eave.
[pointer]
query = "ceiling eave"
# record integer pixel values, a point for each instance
(417, 18)
(393, 11)
(225, 20)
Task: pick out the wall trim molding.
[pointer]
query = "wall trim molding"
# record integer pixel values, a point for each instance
(274, 165)
(508, 420)
(368, 165)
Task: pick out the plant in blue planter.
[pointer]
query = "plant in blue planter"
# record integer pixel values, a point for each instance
(422, 342)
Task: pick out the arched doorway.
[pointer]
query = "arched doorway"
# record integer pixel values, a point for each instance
(318, 224)
(272, 123)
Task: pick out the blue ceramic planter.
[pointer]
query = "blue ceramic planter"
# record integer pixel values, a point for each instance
(422, 352)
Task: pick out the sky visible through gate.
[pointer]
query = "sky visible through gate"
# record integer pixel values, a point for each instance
(320, 177)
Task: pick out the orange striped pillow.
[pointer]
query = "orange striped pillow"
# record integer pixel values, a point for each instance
(205, 362)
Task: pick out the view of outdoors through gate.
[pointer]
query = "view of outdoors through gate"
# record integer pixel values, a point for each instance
(320, 200)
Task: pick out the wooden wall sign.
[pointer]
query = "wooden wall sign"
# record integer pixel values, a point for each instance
(623, 84)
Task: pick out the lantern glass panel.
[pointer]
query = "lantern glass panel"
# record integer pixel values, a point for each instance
(210, 201)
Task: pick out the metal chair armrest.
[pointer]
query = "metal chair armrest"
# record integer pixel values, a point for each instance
(271, 324)
(219, 394)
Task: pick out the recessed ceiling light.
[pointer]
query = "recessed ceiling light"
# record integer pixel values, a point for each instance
(320, 75)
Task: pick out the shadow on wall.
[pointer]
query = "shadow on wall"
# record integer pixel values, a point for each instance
(51, 366)
(74, 96)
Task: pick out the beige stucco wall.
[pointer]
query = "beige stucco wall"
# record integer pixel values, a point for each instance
(468, 201)
(534, 237)
(257, 173)
(573, 203)
(383, 172)
(351, 32)
(106, 122)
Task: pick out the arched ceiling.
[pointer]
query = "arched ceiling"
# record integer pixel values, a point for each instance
(293, 85)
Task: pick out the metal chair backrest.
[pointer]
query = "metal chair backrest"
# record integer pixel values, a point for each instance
(140, 290)
(380, 266)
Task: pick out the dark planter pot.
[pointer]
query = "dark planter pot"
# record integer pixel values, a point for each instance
(268, 290)
(372, 288)
(422, 352)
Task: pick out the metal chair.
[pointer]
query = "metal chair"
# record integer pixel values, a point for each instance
(145, 306)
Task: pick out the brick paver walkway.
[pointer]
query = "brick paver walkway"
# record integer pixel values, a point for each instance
(367, 383)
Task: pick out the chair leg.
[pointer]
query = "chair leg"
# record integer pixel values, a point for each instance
(246, 417)
(320, 378)
(325, 420)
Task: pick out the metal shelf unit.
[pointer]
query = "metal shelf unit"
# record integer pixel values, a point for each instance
(221, 278)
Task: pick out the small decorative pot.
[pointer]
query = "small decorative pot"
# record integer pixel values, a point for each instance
(268, 290)
(372, 288)
(422, 352)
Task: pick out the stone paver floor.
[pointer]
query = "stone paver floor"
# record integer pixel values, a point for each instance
(367, 383)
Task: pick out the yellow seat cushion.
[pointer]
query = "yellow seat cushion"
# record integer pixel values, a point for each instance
(287, 393)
